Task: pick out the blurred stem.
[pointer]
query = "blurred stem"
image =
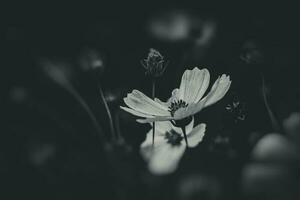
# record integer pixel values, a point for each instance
(117, 123)
(108, 113)
(153, 96)
(85, 107)
(274, 122)
(185, 137)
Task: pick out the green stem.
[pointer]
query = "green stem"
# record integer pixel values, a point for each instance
(108, 113)
(153, 124)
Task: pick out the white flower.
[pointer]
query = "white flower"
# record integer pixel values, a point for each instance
(169, 147)
(184, 102)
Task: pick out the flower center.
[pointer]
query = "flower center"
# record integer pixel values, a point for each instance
(175, 105)
(173, 138)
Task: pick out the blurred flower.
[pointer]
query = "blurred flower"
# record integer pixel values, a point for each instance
(251, 53)
(41, 153)
(222, 145)
(113, 95)
(170, 26)
(164, 156)
(275, 148)
(18, 94)
(184, 102)
(59, 72)
(273, 175)
(270, 182)
(91, 59)
(177, 26)
(154, 64)
(292, 126)
(207, 33)
(199, 186)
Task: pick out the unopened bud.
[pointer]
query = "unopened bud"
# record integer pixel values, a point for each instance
(154, 64)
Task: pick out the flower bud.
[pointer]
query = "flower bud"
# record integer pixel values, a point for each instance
(154, 64)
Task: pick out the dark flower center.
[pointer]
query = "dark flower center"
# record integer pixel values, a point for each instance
(173, 138)
(175, 105)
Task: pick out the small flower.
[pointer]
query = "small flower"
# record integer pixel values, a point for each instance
(154, 64)
(164, 156)
(184, 102)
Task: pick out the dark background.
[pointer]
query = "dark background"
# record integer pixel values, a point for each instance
(37, 115)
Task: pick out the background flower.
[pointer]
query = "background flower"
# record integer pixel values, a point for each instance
(169, 146)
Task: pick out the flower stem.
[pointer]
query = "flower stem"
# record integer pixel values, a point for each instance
(185, 137)
(117, 124)
(274, 122)
(108, 113)
(85, 107)
(153, 124)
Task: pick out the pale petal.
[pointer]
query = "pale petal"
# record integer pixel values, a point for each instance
(136, 113)
(143, 97)
(193, 84)
(163, 126)
(144, 105)
(158, 118)
(190, 110)
(218, 91)
(184, 79)
(175, 95)
(165, 159)
(204, 86)
(166, 104)
(196, 135)
(146, 148)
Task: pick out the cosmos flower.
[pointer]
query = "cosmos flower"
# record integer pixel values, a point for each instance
(164, 156)
(184, 102)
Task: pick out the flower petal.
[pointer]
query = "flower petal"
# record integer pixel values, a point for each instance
(136, 113)
(163, 126)
(158, 118)
(196, 135)
(166, 104)
(165, 159)
(184, 79)
(218, 91)
(146, 148)
(204, 86)
(190, 110)
(193, 84)
(145, 105)
(175, 95)
(142, 96)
